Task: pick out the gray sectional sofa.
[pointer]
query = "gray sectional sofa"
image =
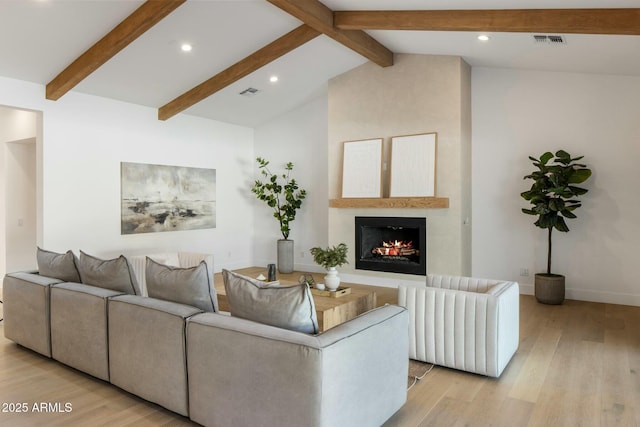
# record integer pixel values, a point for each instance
(216, 369)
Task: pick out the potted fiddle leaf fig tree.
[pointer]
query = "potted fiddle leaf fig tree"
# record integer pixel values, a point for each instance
(554, 198)
(282, 194)
(330, 258)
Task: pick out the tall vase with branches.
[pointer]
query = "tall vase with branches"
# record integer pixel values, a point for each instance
(282, 194)
(553, 196)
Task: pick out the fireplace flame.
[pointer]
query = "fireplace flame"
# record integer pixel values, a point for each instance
(397, 244)
(395, 248)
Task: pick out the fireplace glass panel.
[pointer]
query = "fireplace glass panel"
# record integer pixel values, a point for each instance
(391, 244)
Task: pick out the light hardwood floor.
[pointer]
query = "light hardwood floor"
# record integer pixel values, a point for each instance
(577, 365)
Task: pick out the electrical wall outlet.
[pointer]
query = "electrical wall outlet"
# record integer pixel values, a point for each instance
(524, 272)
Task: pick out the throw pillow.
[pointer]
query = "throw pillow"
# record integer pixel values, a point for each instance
(58, 266)
(289, 307)
(189, 286)
(115, 274)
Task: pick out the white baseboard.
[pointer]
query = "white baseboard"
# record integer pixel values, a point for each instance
(526, 289)
(603, 297)
(589, 295)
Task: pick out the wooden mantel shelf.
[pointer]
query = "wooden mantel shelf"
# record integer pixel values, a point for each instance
(391, 202)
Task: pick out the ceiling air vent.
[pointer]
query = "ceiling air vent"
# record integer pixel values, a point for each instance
(250, 91)
(545, 39)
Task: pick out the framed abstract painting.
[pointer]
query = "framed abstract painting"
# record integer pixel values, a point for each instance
(158, 198)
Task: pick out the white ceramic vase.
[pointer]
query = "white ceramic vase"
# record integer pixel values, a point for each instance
(332, 280)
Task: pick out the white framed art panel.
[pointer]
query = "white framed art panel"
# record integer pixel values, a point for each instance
(362, 168)
(413, 166)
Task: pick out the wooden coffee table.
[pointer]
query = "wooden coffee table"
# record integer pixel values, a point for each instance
(330, 311)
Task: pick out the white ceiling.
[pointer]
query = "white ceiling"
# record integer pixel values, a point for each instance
(39, 38)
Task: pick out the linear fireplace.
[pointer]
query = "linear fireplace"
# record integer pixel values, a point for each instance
(392, 244)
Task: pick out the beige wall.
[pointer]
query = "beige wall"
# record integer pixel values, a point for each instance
(419, 94)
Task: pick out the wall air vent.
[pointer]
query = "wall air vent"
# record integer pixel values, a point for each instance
(546, 39)
(251, 91)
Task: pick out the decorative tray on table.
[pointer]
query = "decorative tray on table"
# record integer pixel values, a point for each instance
(308, 279)
(340, 292)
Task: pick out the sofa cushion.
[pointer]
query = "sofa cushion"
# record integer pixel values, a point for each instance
(190, 286)
(289, 307)
(79, 327)
(58, 266)
(147, 355)
(115, 274)
(26, 310)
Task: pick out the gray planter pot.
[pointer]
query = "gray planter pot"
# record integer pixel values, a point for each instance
(549, 288)
(285, 256)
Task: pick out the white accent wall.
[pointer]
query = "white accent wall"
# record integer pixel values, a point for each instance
(517, 113)
(84, 138)
(300, 137)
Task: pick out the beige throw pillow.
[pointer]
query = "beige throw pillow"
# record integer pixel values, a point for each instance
(289, 307)
(115, 274)
(190, 286)
(58, 266)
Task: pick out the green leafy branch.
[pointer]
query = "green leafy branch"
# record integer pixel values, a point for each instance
(335, 256)
(279, 192)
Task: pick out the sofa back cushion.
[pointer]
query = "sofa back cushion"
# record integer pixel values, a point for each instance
(289, 307)
(58, 266)
(139, 266)
(115, 274)
(191, 286)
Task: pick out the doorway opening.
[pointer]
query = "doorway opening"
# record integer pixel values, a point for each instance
(20, 224)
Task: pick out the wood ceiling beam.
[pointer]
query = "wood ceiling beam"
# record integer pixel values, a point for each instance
(318, 16)
(576, 21)
(146, 16)
(246, 66)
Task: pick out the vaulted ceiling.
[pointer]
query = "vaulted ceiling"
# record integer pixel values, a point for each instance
(130, 50)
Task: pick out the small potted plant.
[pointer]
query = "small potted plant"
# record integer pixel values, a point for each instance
(330, 258)
(553, 195)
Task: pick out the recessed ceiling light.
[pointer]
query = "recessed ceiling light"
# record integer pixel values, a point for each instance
(186, 47)
(273, 79)
(483, 37)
